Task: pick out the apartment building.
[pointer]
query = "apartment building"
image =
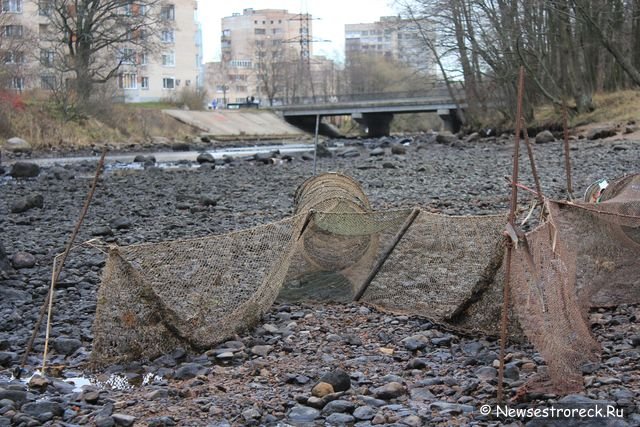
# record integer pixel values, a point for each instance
(251, 40)
(143, 76)
(390, 37)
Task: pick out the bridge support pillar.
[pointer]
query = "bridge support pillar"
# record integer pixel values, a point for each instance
(377, 124)
(451, 119)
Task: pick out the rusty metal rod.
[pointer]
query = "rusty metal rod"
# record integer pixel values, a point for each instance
(512, 217)
(405, 226)
(532, 160)
(567, 157)
(60, 264)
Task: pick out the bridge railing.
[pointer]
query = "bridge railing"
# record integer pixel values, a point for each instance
(435, 93)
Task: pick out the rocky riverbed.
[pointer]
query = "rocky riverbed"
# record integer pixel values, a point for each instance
(310, 364)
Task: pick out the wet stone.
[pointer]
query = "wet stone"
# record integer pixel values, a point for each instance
(303, 414)
(389, 391)
(339, 419)
(339, 380)
(338, 406)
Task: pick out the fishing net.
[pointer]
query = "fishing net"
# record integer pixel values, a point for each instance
(196, 293)
(585, 255)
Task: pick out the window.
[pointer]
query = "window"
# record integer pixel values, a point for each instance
(276, 30)
(44, 7)
(187, 82)
(12, 31)
(17, 83)
(48, 82)
(241, 88)
(169, 59)
(47, 57)
(144, 83)
(226, 33)
(128, 81)
(127, 9)
(240, 63)
(13, 57)
(168, 83)
(143, 59)
(12, 6)
(127, 56)
(168, 12)
(260, 31)
(167, 36)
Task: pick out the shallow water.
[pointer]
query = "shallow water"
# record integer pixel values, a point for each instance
(172, 157)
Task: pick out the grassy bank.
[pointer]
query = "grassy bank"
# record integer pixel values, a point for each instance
(44, 127)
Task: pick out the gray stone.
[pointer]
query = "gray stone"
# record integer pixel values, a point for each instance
(544, 137)
(511, 371)
(24, 170)
(303, 414)
(446, 138)
(338, 378)
(102, 231)
(398, 149)
(17, 396)
(338, 419)
(389, 391)
(377, 152)
(251, 414)
(323, 151)
(66, 346)
(164, 421)
(364, 413)
(338, 406)
(103, 421)
(26, 203)
(188, 370)
(421, 393)
(451, 408)
(124, 419)
(35, 409)
(442, 341)
(417, 363)
(261, 350)
(412, 421)
(349, 153)
(23, 260)
(415, 342)
(205, 158)
(7, 358)
(17, 145)
(486, 373)
(121, 223)
(601, 132)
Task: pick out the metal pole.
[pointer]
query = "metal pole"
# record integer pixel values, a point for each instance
(567, 158)
(58, 269)
(512, 217)
(532, 160)
(405, 226)
(315, 151)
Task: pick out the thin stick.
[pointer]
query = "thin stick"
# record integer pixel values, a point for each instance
(532, 160)
(315, 151)
(567, 157)
(57, 270)
(49, 315)
(405, 226)
(512, 216)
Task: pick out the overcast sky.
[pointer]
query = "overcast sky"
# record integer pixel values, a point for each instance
(332, 14)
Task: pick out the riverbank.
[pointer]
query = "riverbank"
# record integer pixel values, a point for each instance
(269, 376)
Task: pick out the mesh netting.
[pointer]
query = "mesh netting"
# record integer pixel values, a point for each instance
(191, 293)
(585, 255)
(196, 293)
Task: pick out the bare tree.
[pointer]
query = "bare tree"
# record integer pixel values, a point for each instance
(92, 40)
(274, 61)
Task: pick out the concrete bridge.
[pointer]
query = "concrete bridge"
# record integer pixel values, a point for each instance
(375, 111)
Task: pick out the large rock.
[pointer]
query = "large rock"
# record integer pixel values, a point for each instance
(23, 260)
(339, 379)
(205, 158)
(303, 414)
(31, 201)
(544, 137)
(24, 170)
(389, 391)
(17, 145)
(446, 138)
(66, 346)
(601, 132)
(398, 149)
(41, 407)
(323, 151)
